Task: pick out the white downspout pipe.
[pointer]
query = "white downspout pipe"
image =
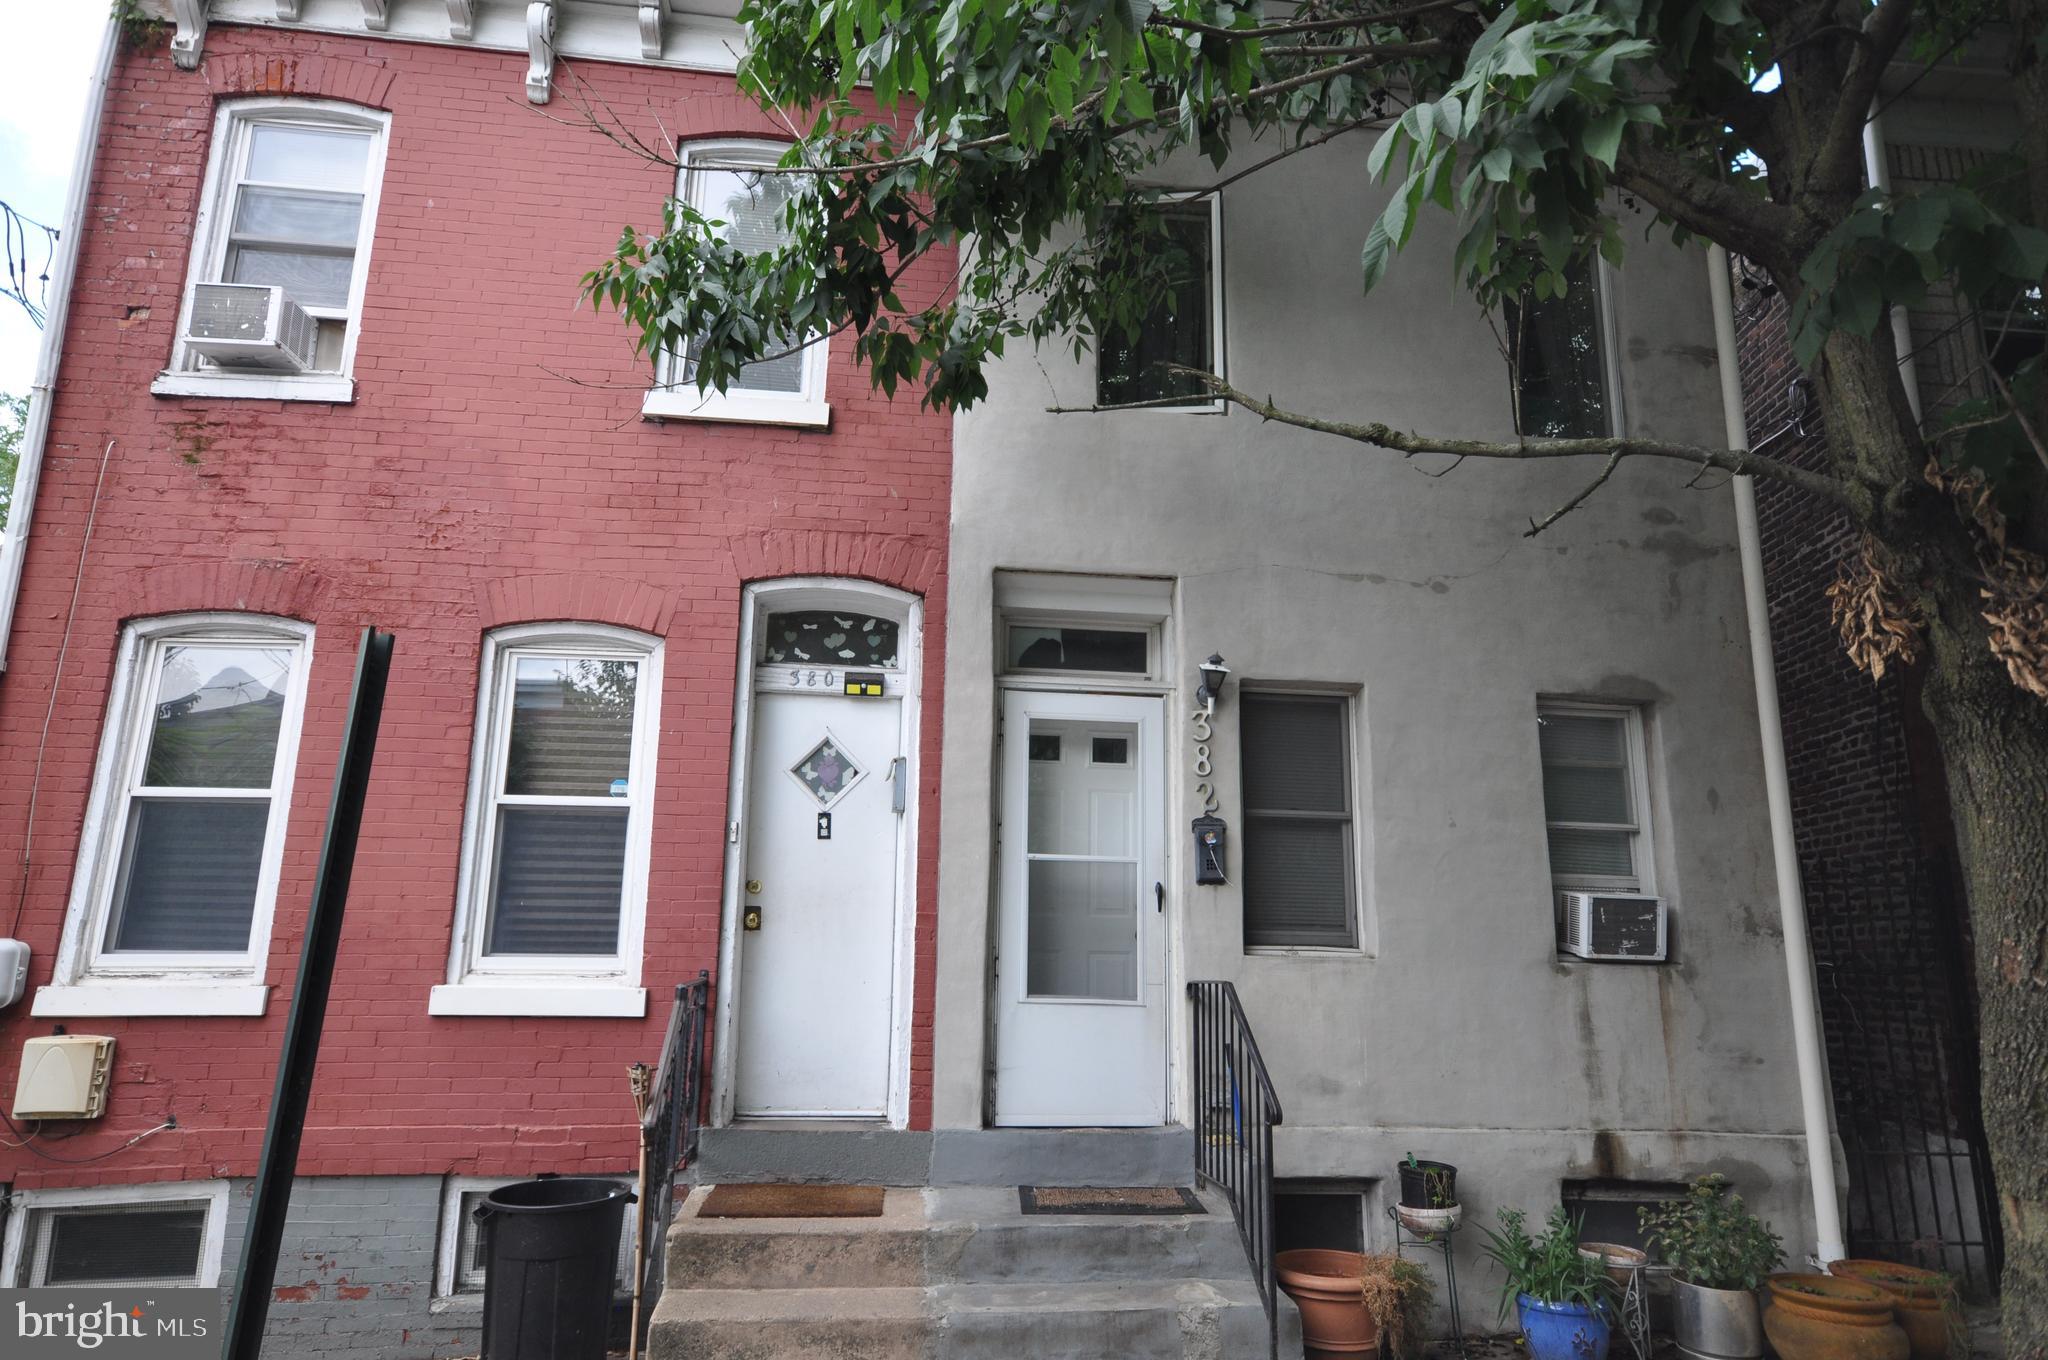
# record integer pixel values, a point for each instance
(1877, 172)
(1814, 1100)
(42, 394)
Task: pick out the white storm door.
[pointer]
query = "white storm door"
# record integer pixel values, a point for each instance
(1081, 951)
(818, 974)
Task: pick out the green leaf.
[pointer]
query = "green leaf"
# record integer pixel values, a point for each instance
(1602, 140)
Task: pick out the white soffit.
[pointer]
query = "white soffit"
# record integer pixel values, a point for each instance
(696, 35)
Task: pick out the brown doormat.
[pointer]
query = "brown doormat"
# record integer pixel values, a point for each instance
(1161, 1199)
(792, 1201)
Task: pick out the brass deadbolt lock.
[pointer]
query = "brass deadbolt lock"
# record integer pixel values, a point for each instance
(753, 885)
(751, 918)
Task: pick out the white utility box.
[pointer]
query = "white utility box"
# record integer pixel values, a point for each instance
(13, 971)
(64, 1076)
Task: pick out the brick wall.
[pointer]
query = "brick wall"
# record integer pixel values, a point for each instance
(465, 487)
(1884, 906)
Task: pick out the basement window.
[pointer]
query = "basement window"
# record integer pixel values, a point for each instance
(1329, 1214)
(1609, 1210)
(462, 1258)
(166, 1235)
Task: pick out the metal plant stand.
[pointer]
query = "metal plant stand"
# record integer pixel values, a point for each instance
(1441, 1243)
(1635, 1313)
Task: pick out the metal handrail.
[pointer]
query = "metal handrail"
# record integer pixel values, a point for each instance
(670, 1118)
(1236, 1110)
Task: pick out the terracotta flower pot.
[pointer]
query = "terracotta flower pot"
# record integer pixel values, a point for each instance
(1821, 1317)
(1325, 1285)
(1919, 1301)
(1621, 1262)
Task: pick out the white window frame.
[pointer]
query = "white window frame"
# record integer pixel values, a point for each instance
(1642, 849)
(674, 397)
(27, 1206)
(1219, 351)
(1356, 815)
(539, 984)
(231, 137)
(89, 981)
(454, 1283)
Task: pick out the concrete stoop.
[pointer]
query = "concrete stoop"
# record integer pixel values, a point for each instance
(960, 1274)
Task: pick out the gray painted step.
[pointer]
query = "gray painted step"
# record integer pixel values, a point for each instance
(790, 1324)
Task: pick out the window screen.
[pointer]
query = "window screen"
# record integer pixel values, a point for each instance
(1298, 871)
(1554, 350)
(145, 1244)
(1180, 327)
(472, 1255)
(1589, 797)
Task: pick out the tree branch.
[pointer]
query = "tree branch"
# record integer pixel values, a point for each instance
(1884, 28)
(1748, 225)
(1738, 461)
(1300, 26)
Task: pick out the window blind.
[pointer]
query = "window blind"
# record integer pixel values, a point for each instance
(1298, 871)
(188, 876)
(1588, 796)
(560, 877)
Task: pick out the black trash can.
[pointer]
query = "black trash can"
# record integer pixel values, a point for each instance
(551, 1248)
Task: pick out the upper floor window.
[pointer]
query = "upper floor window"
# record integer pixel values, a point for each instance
(1300, 873)
(290, 204)
(729, 183)
(554, 887)
(1595, 804)
(1184, 325)
(178, 865)
(1557, 360)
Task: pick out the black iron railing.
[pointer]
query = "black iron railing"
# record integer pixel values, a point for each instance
(1235, 1114)
(668, 1137)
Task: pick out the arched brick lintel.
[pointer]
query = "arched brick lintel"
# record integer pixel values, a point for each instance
(229, 74)
(577, 597)
(907, 563)
(281, 589)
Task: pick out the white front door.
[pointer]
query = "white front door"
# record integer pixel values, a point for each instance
(817, 945)
(1081, 945)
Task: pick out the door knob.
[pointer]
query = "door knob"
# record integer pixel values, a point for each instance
(753, 885)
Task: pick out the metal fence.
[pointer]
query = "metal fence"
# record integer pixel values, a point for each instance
(1235, 1113)
(668, 1136)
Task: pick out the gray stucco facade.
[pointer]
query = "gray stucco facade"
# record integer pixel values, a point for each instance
(1456, 1030)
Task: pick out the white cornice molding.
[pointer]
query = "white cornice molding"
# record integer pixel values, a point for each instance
(189, 42)
(461, 19)
(376, 18)
(650, 30)
(287, 11)
(540, 51)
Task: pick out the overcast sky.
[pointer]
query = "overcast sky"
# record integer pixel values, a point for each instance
(41, 102)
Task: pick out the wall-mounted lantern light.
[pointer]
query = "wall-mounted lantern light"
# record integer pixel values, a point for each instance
(1210, 692)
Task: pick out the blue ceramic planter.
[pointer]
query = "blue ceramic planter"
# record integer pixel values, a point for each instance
(1563, 1331)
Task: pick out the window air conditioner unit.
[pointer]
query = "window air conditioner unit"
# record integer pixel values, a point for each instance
(244, 325)
(1614, 926)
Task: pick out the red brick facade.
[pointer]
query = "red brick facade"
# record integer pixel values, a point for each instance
(465, 488)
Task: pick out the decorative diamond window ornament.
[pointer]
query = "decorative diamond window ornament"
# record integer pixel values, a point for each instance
(826, 771)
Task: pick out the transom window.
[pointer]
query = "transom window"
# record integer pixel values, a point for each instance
(1096, 649)
(728, 183)
(1299, 870)
(830, 637)
(555, 876)
(1593, 795)
(177, 871)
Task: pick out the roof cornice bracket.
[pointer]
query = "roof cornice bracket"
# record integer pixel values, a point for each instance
(288, 11)
(375, 17)
(462, 19)
(540, 51)
(650, 30)
(188, 43)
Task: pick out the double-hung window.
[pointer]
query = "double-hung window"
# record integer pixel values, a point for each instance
(554, 884)
(729, 183)
(1558, 362)
(290, 202)
(1300, 869)
(177, 869)
(1595, 808)
(167, 1235)
(1183, 329)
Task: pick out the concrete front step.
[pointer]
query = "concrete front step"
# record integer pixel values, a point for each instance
(1192, 1319)
(829, 1152)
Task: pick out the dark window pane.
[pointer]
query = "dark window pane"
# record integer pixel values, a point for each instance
(828, 637)
(131, 1244)
(1177, 329)
(1294, 758)
(218, 714)
(1555, 347)
(188, 875)
(1297, 882)
(572, 726)
(1333, 1220)
(1121, 650)
(1607, 853)
(560, 873)
(1111, 751)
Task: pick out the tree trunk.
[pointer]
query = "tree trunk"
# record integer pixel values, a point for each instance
(1994, 740)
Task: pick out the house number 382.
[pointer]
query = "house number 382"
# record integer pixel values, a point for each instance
(1205, 792)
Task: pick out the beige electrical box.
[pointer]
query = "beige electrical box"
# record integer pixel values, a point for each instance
(64, 1077)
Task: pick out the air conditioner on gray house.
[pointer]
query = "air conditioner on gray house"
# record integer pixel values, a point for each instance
(245, 325)
(1601, 925)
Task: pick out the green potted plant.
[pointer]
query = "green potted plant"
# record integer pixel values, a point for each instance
(1560, 1293)
(1429, 1196)
(1720, 1254)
